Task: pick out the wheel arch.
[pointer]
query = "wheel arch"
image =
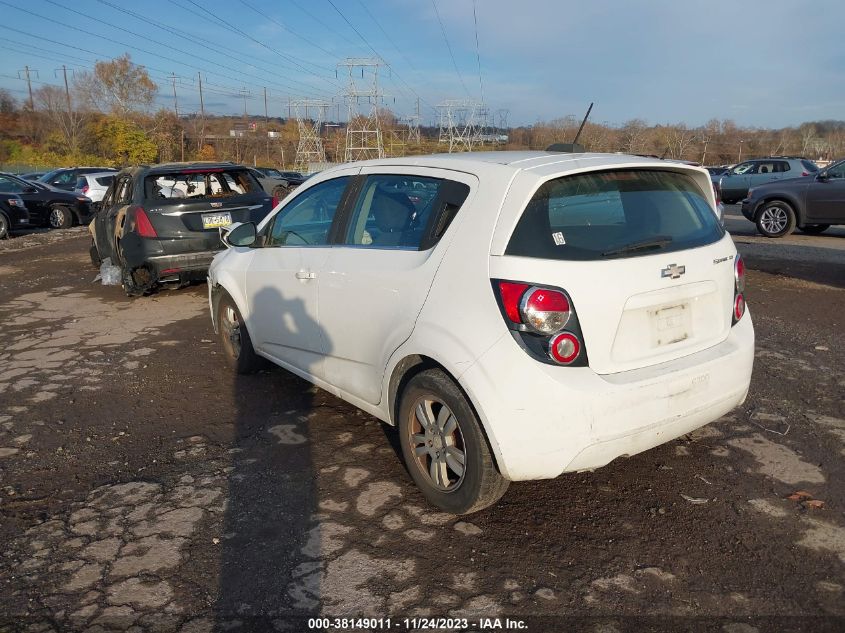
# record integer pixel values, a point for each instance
(8, 222)
(223, 285)
(413, 364)
(781, 197)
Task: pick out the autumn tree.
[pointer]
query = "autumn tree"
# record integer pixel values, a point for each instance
(118, 87)
(59, 109)
(124, 143)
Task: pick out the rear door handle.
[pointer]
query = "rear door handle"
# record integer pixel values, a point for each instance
(305, 274)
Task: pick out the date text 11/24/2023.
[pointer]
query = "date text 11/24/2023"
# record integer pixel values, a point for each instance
(415, 624)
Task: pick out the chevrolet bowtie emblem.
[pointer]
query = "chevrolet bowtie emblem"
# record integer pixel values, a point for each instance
(673, 271)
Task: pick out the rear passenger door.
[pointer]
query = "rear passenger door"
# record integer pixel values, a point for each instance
(378, 273)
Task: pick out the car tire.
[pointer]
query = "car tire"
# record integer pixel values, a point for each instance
(60, 217)
(434, 417)
(775, 219)
(237, 344)
(94, 254)
(4, 227)
(814, 229)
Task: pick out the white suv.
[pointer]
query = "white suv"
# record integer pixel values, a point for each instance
(516, 315)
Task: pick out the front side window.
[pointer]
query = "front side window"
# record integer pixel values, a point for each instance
(10, 185)
(836, 171)
(66, 177)
(307, 219)
(743, 168)
(609, 214)
(393, 211)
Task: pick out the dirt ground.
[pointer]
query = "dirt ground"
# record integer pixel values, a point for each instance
(144, 487)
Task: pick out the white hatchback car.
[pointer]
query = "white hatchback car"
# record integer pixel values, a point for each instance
(94, 186)
(517, 315)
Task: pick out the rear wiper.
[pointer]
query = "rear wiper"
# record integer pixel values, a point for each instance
(656, 242)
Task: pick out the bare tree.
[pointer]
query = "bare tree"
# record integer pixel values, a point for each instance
(58, 107)
(633, 136)
(118, 87)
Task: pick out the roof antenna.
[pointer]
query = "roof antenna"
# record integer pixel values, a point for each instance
(573, 147)
(583, 123)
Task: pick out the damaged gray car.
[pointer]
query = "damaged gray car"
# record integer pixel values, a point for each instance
(161, 224)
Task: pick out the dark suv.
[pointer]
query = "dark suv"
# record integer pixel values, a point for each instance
(735, 183)
(161, 223)
(811, 204)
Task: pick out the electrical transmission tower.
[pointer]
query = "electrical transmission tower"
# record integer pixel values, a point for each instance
(363, 132)
(459, 123)
(310, 114)
(413, 123)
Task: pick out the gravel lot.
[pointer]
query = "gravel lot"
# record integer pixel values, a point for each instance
(142, 485)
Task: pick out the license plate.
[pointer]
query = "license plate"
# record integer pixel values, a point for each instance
(216, 220)
(671, 324)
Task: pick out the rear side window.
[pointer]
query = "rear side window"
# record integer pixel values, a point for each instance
(403, 211)
(198, 184)
(810, 166)
(105, 181)
(626, 213)
(81, 182)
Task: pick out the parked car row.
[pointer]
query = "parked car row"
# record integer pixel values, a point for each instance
(735, 182)
(47, 205)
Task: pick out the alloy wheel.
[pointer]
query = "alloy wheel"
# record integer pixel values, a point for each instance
(57, 218)
(231, 326)
(774, 219)
(437, 443)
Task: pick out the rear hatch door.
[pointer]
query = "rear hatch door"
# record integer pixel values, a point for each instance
(640, 253)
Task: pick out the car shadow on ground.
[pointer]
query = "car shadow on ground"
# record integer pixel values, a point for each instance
(272, 490)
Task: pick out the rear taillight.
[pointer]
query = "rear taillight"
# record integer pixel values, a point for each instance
(805, 173)
(544, 311)
(564, 348)
(85, 189)
(143, 225)
(537, 316)
(739, 289)
(275, 201)
(717, 193)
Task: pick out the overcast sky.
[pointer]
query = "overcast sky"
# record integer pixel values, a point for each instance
(767, 63)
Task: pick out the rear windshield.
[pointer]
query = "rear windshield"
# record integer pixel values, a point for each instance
(609, 214)
(810, 166)
(199, 184)
(105, 180)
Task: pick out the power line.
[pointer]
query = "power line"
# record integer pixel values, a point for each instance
(173, 48)
(448, 46)
(322, 23)
(202, 43)
(477, 51)
(294, 60)
(289, 30)
(389, 39)
(123, 44)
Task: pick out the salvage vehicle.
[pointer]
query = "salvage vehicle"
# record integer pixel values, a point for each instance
(811, 204)
(517, 315)
(161, 224)
(47, 205)
(13, 214)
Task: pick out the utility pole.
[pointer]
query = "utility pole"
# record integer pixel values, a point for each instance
(267, 124)
(244, 93)
(202, 114)
(173, 77)
(27, 70)
(67, 90)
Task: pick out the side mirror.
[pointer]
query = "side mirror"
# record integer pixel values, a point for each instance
(822, 176)
(239, 234)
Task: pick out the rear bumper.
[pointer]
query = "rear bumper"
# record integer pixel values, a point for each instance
(543, 421)
(194, 265)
